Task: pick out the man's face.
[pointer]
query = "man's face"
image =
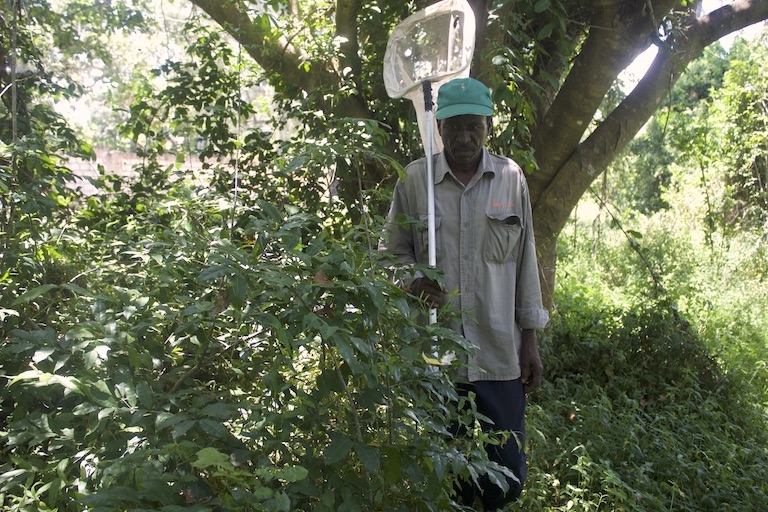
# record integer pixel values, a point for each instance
(464, 138)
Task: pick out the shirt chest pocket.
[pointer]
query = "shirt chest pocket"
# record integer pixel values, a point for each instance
(502, 237)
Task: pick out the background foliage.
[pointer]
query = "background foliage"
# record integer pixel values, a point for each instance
(223, 336)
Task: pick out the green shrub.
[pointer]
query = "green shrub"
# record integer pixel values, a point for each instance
(640, 409)
(280, 370)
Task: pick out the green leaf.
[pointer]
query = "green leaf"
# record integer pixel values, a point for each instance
(42, 354)
(413, 471)
(277, 327)
(369, 456)
(78, 333)
(271, 211)
(213, 273)
(79, 290)
(114, 498)
(545, 31)
(402, 305)
(33, 293)
(542, 5)
(220, 411)
(327, 331)
(328, 382)
(146, 397)
(214, 429)
(69, 383)
(440, 466)
(96, 356)
(282, 501)
(498, 479)
(293, 473)
(208, 457)
(392, 466)
(182, 428)
(12, 473)
(375, 295)
(363, 346)
(238, 290)
(346, 351)
(499, 60)
(197, 308)
(53, 493)
(339, 448)
(29, 374)
(167, 419)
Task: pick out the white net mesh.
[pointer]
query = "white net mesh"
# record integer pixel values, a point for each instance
(435, 45)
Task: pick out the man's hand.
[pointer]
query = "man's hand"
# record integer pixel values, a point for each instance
(530, 361)
(428, 291)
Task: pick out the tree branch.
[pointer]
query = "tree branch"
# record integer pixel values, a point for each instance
(347, 12)
(346, 29)
(593, 156)
(729, 18)
(616, 37)
(271, 51)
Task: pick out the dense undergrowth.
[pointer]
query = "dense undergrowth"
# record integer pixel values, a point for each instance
(153, 363)
(637, 414)
(165, 347)
(655, 395)
(156, 361)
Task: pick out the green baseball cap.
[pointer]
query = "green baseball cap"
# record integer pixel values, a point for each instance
(462, 96)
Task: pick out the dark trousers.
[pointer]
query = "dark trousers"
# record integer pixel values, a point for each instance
(503, 402)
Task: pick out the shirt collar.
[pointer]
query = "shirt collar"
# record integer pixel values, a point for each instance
(442, 168)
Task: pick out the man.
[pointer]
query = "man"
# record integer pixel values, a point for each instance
(486, 252)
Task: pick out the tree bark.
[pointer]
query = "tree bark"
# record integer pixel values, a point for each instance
(557, 196)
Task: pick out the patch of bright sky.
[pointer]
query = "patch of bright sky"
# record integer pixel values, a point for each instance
(635, 71)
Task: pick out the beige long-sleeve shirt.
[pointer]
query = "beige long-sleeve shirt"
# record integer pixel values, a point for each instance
(486, 250)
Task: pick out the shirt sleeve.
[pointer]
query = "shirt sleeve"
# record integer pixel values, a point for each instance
(398, 238)
(530, 313)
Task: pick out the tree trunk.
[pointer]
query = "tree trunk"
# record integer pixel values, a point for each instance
(562, 180)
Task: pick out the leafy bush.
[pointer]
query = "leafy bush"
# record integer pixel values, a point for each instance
(182, 369)
(655, 395)
(636, 414)
(176, 343)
